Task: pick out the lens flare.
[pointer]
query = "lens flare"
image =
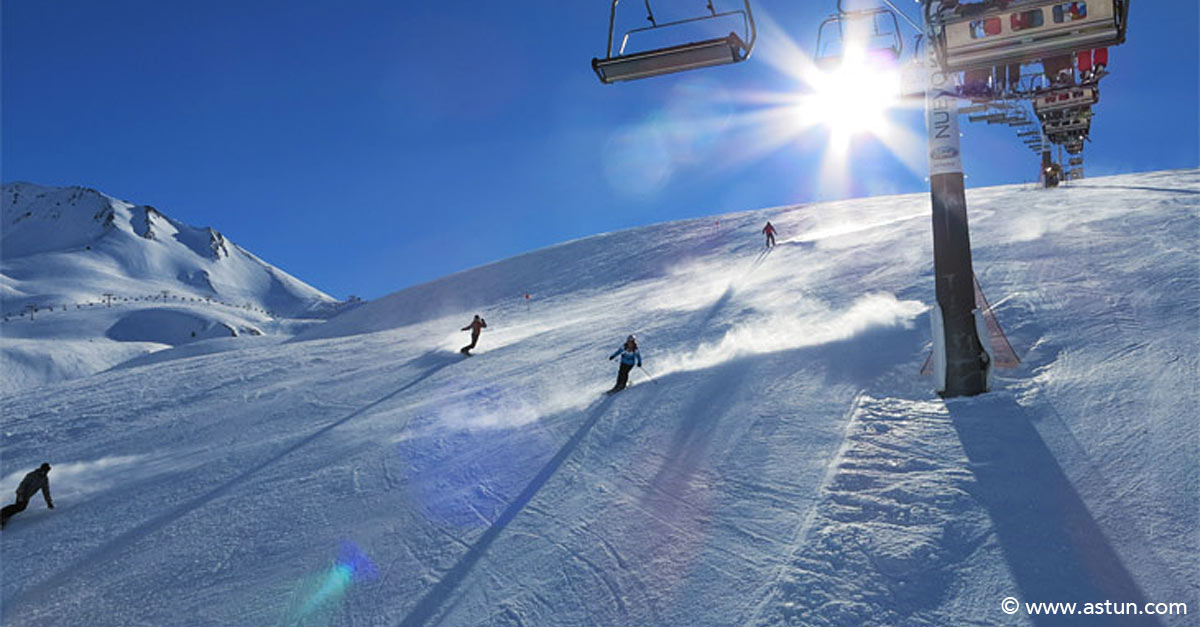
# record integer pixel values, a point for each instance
(322, 593)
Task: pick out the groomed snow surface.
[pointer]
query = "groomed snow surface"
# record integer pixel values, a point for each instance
(786, 465)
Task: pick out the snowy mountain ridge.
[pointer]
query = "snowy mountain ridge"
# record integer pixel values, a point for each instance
(65, 253)
(200, 261)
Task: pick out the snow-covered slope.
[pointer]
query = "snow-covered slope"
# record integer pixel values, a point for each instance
(88, 281)
(785, 465)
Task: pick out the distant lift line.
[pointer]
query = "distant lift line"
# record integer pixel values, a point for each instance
(731, 48)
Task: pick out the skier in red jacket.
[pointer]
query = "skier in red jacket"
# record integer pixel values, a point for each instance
(770, 233)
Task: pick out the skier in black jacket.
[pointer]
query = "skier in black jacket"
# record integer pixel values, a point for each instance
(34, 481)
(477, 325)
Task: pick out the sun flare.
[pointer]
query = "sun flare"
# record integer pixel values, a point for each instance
(852, 99)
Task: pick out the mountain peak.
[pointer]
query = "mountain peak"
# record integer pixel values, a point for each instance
(66, 251)
(98, 237)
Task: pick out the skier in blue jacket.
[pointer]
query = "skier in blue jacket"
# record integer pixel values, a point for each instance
(629, 357)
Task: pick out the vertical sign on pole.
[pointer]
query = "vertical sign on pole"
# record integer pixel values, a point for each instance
(963, 361)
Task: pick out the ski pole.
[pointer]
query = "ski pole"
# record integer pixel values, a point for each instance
(648, 376)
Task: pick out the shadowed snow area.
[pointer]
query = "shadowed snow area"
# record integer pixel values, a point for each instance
(778, 460)
(166, 326)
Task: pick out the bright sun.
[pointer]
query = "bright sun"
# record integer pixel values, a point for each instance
(852, 99)
(823, 104)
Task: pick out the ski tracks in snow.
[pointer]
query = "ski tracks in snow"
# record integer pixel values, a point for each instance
(894, 520)
(925, 495)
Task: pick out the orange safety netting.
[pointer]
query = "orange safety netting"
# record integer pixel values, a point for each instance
(1002, 351)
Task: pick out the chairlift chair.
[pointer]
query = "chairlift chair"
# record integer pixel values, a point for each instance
(1004, 118)
(993, 34)
(623, 66)
(1074, 161)
(1066, 125)
(832, 35)
(1075, 96)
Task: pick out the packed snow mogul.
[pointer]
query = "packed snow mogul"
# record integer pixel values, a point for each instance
(34, 481)
(629, 357)
(477, 325)
(769, 231)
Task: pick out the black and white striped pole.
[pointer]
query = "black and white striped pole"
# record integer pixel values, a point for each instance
(960, 362)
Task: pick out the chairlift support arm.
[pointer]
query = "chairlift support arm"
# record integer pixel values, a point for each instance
(895, 9)
(747, 23)
(843, 16)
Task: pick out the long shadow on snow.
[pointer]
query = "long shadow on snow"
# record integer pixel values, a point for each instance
(434, 361)
(704, 318)
(693, 437)
(429, 604)
(1055, 549)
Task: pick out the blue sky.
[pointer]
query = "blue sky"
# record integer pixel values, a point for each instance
(367, 146)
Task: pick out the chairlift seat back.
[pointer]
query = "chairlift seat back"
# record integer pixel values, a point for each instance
(1074, 97)
(707, 53)
(1058, 127)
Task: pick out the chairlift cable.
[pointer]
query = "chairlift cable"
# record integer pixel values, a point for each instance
(904, 15)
